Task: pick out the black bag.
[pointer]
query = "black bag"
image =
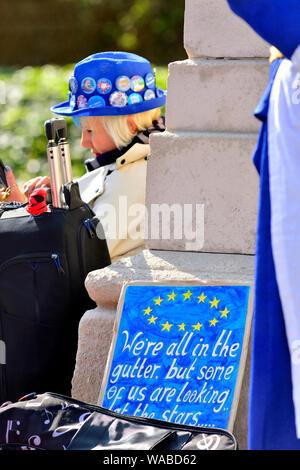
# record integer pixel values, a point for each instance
(43, 264)
(54, 422)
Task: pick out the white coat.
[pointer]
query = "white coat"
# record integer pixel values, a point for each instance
(116, 193)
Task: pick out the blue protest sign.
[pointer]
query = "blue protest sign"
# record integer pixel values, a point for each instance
(178, 352)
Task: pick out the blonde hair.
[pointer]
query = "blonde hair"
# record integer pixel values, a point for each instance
(120, 130)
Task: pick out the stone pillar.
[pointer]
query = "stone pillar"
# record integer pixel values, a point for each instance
(205, 155)
(203, 158)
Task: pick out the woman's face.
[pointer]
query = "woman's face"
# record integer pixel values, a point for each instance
(95, 136)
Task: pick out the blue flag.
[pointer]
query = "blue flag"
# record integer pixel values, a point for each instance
(276, 21)
(271, 411)
(274, 389)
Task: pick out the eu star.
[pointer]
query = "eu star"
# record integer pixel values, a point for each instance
(147, 311)
(158, 301)
(214, 303)
(166, 326)
(201, 298)
(152, 320)
(171, 296)
(213, 322)
(187, 295)
(224, 312)
(182, 326)
(197, 327)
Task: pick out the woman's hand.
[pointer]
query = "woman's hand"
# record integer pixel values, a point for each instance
(36, 183)
(15, 195)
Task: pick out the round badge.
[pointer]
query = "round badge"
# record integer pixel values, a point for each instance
(81, 101)
(123, 83)
(159, 92)
(73, 85)
(104, 86)
(118, 99)
(150, 80)
(88, 85)
(137, 83)
(134, 98)
(96, 102)
(149, 95)
(72, 101)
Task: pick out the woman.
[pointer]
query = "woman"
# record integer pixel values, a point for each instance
(113, 98)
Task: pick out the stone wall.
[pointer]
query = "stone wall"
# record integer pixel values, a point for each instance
(206, 154)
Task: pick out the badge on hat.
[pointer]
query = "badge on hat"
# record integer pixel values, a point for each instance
(88, 85)
(149, 95)
(104, 86)
(137, 83)
(118, 99)
(123, 83)
(134, 98)
(73, 85)
(81, 102)
(150, 80)
(72, 102)
(96, 102)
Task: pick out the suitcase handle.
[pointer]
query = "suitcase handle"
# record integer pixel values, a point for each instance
(72, 195)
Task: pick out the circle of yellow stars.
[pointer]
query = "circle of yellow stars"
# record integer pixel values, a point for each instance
(218, 314)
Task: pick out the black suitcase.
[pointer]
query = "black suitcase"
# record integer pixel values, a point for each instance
(43, 264)
(53, 422)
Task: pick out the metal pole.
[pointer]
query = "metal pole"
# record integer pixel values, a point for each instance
(64, 150)
(54, 165)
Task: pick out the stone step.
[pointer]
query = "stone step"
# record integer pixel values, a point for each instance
(211, 170)
(211, 29)
(215, 95)
(104, 285)
(94, 338)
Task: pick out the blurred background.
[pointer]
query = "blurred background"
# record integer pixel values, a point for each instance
(40, 42)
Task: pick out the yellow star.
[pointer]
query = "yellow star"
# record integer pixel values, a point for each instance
(158, 301)
(166, 326)
(171, 296)
(182, 327)
(187, 295)
(197, 327)
(147, 311)
(213, 322)
(214, 303)
(224, 312)
(152, 319)
(201, 298)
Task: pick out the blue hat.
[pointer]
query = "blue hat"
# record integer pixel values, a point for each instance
(276, 21)
(111, 84)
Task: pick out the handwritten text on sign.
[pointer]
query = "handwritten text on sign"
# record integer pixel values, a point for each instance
(177, 353)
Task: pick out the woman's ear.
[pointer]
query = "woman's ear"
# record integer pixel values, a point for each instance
(131, 124)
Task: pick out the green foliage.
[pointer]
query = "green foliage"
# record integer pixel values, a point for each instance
(29, 93)
(151, 28)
